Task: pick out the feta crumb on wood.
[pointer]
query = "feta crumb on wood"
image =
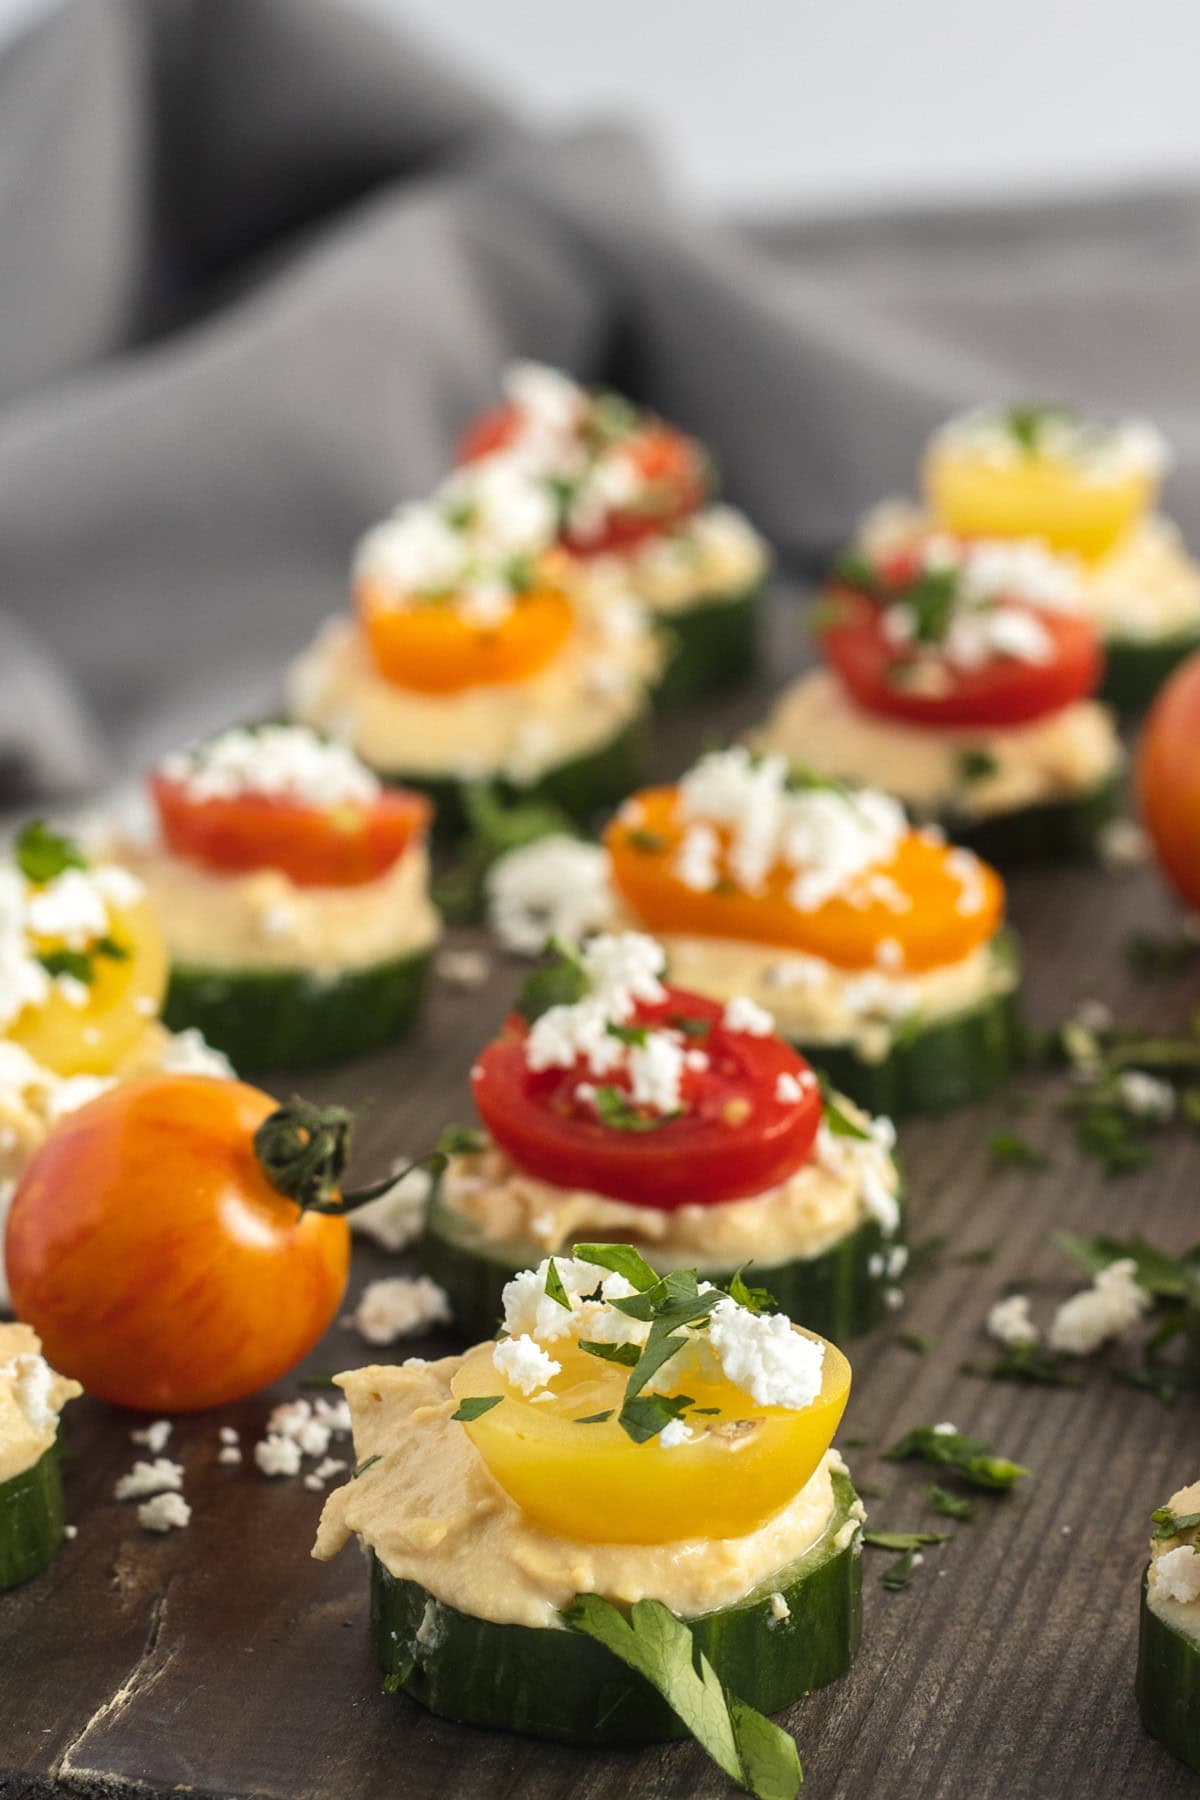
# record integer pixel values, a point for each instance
(1009, 1321)
(1108, 1309)
(166, 1512)
(157, 1477)
(400, 1306)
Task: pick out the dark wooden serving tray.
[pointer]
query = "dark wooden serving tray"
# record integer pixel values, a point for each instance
(223, 1661)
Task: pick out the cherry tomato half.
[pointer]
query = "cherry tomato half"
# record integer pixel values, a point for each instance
(735, 1138)
(1168, 779)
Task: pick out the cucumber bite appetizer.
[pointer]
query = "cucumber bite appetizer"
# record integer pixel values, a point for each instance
(960, 677)
(293, 889)
(637, 1474)
(1087, 489)
(634, 500)
(1168, 1675)
(617, 1107)
(31, 1498)
(880, 950)
(472, 659)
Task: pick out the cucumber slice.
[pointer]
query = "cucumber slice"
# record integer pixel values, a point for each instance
(287, 1018)
(31, 1519)
(560, 1685)
(585, 787)
(715, 644)
(835, 1294)
(938, 1065)
(1135, 668)
(1168, 1685)
(1054, 831)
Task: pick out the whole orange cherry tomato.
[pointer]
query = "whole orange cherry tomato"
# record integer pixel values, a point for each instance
(175, 1244)
(1168, 779)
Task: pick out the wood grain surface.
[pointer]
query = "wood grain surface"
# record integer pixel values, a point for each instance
(223, 1661)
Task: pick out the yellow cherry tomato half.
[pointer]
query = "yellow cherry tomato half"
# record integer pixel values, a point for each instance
(95, 1037)
(1039, 496)
(592, 1483)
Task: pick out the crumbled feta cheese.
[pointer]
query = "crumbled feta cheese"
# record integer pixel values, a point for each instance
(743, 1014)
(70, 1532)
(284, 762)
(524, 1364)
(462, 968)
(157, 1477)
(397, 1218)
(697, 861)
(1108, 1309)
(761, 1354)
(1145, 1096)
(1177, 1575)
(528, 1309)
(313, 1437)
(335, 1414)
(187, 1053)
(1101, 453)
(788, 1091)
(1009, 1322)
(229, 1453)
(154, 1436)
(674, 1433)
(656, 1071)
(557, 887)
(780, 1609)
(166, 1512)
(893, 1298)
(945, 1429)
(289, 1418)
(1122, 846)
(276, 1455)
(228, 1435)
(400, 1306)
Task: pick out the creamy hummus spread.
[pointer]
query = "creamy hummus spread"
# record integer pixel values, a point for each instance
(710, 557)
(574, 706)
(31, 1398)
(1180, 1615)
(1070, 752)
(264, 921)
(434, 1514)
(822, 1202)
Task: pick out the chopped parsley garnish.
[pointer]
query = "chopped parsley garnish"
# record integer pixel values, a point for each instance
(1029, 1365)
(560, 981)
(975, 765)
(970, 1459)
(837, 1119)
(643, 1417)
(462, 1140)
(650, 843)
(475, 1407)
(919, 1342)
(950, 1506)
(554, 1286)
(754, 1299)
(78, 964)
(855, 571)
(690, 1028)
(1008, 1149)
(41, 853)
(494, 827)
(626, 1354)
(1026, 424)
(1168, 1524)
(634, 1035)
(619, 1259)
(599, 1418)
(1160, 955)
(752, 1750)
(899, 1575)
(615, 1109)
(362, 1467)
(977, 1257)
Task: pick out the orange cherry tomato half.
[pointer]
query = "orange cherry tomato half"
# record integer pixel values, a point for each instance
(1168, 779)
(735, 1137)
(1003, 691)
(155, 1260)
(932, 930)
(341, 846)
(435, 650)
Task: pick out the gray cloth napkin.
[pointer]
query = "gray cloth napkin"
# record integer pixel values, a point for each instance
(263, 258)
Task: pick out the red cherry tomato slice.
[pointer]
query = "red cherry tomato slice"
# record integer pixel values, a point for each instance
(1006, 691)
(343, 846)
(491, 431)
(1168, 779)
(736, 1138)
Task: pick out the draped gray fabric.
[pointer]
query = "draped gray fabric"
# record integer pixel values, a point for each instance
(261, 259)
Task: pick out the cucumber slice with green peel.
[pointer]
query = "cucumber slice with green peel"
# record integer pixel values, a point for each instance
(1168, 1684)
(839, 1293)
(289, 1018)
(1065, 830)
(585, 787)
(31, 1519)
(557, 1684)
(715, 644)
(939, 1063)
(1135, 668)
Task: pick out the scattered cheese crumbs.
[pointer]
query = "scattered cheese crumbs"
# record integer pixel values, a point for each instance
(229, 1436)
(158, 1477)
(1145, 1096)
(188, 1053)
(743, 1014)
(524, 1363)
(893, 1298)
(761, 1354)
(286, 762)
(313, 1437)
(397, 1218)
(780, 1609)
(463, 968)
(1122, 846)
(230, 1454)
(70, 1531)
(787, 1089)
(945, 1429)
(1009, 1321)
(166, 1512)
(529, 1310)
(1109, 1308)
(557, 887)
(335, 1414)
(400, 1306)
(33, 1390)
(276, 1455)
(154, 1436)
(674, 1433)
(1177, 1575)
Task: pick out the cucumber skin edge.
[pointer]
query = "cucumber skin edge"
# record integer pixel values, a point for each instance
(31, 1520)
(567, 1688)
(1168, 1686)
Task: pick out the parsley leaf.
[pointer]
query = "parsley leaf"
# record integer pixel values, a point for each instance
(1168, 1524)
(749, 1748)
(644, 1416)
(649, 843)
(975, 765)
(856, 571)
(839, 1121)
(625, 1354)
(554, 1286)
(1026, 424)
(615, 1109)
(951, 1506)
(970, 1459)
(475, 1406)
(904, 1540)
(462, 1140)
(1008, 1149)
(690, 1028)
(78, 964)
(619, 1259)
(595, 1418)
(1161, 1275)
(754, 1299)
(1030, 1365)
(899, 1575)
(635, 1035)
(919, 1342)
(41, 853)
(560, 981)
